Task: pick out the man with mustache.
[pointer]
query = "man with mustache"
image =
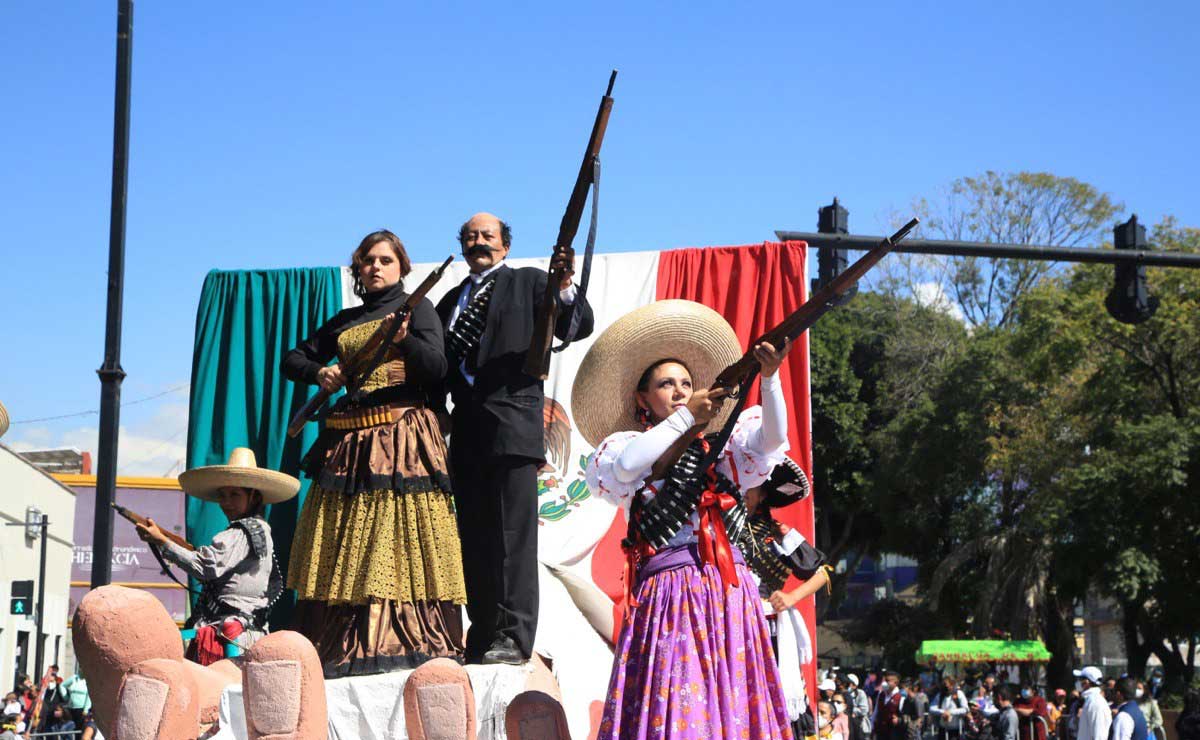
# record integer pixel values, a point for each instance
(497, 440)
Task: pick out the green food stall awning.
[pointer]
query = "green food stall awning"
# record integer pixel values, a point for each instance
(965, 651)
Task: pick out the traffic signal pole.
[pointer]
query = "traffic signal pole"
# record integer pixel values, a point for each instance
(40, 615)
(953, 248)
(1129, 301)
(39, 610)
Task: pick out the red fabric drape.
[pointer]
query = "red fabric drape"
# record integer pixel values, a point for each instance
(754, 287)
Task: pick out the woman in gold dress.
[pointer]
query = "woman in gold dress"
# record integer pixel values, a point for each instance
(376, 561)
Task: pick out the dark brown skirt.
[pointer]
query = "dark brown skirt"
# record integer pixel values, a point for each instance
(380, 636)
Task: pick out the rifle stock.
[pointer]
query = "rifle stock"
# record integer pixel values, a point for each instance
(139, 519)
(363, 363)
(537, 361)
(804, 317)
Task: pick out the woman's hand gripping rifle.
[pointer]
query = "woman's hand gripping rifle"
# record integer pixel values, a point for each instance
(735, 379)
(373, 353)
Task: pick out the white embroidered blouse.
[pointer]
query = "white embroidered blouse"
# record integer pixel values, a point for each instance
(624, 460)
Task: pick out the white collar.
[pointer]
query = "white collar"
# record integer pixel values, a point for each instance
(477, 278)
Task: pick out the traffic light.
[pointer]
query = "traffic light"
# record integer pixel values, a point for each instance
(22, 598)
(1130, 301)
(831, 261)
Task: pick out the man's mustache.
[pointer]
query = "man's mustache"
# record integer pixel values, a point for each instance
(479, 249)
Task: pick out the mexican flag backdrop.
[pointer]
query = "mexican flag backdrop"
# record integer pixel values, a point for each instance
(247, 321)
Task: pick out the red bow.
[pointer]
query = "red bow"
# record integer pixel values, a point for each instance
(714, 543)
(634, 554)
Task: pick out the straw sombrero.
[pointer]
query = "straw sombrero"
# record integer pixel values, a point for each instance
(241, 472)
(602, 400)
(3, 420)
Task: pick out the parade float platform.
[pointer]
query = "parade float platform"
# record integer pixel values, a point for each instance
(372, 707)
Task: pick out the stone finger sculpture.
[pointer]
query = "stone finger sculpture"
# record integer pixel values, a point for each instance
(157, 700)
(439, 703)
(283, 689)
(535, 715)
(114, 629)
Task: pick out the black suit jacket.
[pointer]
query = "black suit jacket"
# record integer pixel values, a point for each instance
(501, 414)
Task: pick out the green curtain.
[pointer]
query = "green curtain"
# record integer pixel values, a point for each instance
(246, 322)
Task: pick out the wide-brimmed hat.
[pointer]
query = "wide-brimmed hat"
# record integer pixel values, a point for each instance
(3, 420)
(242, 471)
(787, 485)
(602, 398)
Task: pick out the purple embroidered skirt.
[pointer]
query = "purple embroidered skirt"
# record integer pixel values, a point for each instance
(694, 660)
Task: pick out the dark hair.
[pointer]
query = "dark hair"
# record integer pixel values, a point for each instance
(359, 257)
(505, 233)
(643, 383)
(1127, 687)
(1003, 693)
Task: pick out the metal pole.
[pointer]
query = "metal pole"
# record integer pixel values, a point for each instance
(40, 648)
(999, 251)
(110, 372)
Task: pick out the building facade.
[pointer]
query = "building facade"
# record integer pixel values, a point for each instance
(23, 488)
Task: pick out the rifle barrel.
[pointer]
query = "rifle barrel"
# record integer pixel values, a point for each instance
(800, 320)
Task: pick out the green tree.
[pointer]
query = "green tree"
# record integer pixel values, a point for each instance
(870, 359)
(1009, 208)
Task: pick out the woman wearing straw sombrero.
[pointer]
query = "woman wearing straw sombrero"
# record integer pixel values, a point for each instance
(240, 579)
(694, 657)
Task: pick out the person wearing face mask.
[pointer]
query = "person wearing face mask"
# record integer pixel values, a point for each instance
(376, 561)
(497, 430)
(240, 579)
(841, 719)
(1033, 714)
(827, 728)
(1095, 717)
(1129, 722)
(890, 706)
(1149, 706)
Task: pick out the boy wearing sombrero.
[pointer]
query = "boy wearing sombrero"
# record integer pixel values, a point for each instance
(239, 576)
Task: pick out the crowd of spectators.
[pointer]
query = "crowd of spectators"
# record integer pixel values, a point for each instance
(64, 714)
(887, 706)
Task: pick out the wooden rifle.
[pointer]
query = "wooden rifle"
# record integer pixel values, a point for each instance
(139, 519)
(733, 378)
(359, 367)
(537, 361)
(813, 309)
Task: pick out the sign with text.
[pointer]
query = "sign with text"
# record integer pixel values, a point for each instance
(132, 562)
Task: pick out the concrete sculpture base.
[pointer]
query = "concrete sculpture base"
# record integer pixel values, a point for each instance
(129, 650)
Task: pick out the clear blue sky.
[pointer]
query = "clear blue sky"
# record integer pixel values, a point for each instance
(271, 134)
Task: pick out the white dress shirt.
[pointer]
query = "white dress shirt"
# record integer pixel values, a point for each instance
(1122, 726)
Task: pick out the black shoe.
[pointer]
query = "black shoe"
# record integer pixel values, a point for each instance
(505, 651)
